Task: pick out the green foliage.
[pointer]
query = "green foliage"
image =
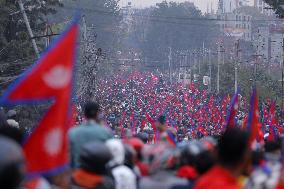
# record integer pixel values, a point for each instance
(14, 39)
(103, 15)
(178, 25)
(266, 85)
(16, 52)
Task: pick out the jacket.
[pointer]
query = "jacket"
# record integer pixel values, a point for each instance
(82, 179)
(80, 135)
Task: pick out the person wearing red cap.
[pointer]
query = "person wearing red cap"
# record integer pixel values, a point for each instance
(138, 145)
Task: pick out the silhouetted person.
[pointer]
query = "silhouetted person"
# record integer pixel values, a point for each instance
(12, 165)
(233, 156)
(89, 131)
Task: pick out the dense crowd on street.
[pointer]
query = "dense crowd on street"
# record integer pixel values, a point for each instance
(146, 133)
(131, 103)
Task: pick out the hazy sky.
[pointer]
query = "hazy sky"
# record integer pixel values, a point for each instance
(201, 4)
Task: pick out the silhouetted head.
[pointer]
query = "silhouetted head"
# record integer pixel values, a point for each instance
(233, 147)
(92, 110)
(12, 165)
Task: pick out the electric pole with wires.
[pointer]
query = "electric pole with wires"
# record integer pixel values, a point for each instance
(21, 5)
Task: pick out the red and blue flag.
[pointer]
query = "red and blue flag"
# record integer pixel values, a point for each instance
(49, 80)
(253, 118)
(234, 105)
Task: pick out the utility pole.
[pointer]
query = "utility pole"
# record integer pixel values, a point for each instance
(203, 53)
(193, 64)
(282, 81)
(180, 63)
(84, 28)
(218, 68)
(210, 70)
(21, 5)
(199, 64)
(170, 64)
(236, 65)
(223, 56)
(256, 62)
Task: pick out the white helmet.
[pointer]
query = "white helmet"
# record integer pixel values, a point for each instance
(117, 150)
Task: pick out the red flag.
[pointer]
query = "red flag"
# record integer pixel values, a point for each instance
(122, 133)
(152, 122)
(51, 78)
(73, 116)
(272, 123)
(234, 105)
(253, 119)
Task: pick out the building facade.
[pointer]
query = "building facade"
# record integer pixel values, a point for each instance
(229, 6)
(268, 42)
(236, 25)
(263, 7)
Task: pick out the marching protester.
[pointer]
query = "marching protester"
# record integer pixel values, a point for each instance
(160, 158)
(234, 155)
(143, 132)
(124, 177)
(89, 131)
(92, 172)
(11, 119)
(12, 164)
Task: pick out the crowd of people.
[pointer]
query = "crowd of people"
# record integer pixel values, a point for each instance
(100, 161)
(131, 103)
(146, 133)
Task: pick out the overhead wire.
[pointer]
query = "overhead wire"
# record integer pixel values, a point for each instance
(161, 16)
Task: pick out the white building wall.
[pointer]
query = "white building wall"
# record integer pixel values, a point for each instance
(276, 47)
(229, 6)
(234, 23)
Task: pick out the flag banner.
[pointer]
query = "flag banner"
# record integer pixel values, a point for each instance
(233, 110)
(253, 118)
(50, 79)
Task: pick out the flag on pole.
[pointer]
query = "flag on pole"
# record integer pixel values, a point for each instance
(50, 79)
(253, 118)
(171, 138)
(273, 134)
(234, 105)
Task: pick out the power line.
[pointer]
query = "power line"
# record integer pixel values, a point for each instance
(109, 13)
(153, 18)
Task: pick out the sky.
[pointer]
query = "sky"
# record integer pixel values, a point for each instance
(201, 4)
